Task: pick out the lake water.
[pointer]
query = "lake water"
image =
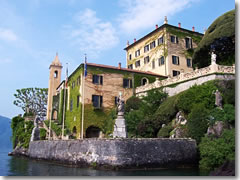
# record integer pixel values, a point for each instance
(19, 166)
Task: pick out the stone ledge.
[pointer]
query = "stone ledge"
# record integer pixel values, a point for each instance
(118, 153)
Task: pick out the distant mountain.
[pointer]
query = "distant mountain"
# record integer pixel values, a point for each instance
(5, 133)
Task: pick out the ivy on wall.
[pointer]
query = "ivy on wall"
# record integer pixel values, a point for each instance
(182, 34)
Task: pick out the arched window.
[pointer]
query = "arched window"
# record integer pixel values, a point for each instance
(55, 74)
(144, 81)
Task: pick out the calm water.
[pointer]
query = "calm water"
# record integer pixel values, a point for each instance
(18, 166)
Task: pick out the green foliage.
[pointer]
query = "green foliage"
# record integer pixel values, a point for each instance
(221, 37)
(138, 79)
(133, 118)
(140, 120)
(197, 94)
(152, 101)
(35, 99)
(227, 89)
(133, 103)
(197, 122)
(21, 132)
(214, 152)
(164, 132)
(166, 111)
(43, 133)
(108, 124)
(56, 128)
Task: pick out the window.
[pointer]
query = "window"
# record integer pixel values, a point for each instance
(146, 60)
(160, 40)
(137, 53)
(189, 63)
(97, 79)
(175, 60)
(97, 101)
(130, 56)
(152, 45)
(55, 74)
(161, 61)
(188, 42)
(174, 39)
(146, 48)
(175, 73)
(78, 81)
(127, 83)
(153, 64)
(130, 66)
(137, 63)
(73, 84)
(144, 81)
(78, 100)
(71, 105)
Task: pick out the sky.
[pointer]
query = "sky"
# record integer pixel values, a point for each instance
(33, 31)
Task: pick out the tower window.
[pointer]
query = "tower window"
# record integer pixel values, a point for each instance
(55, 74)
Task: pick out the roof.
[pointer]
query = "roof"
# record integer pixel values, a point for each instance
(124, 69)
(158, 29)
(115, 68)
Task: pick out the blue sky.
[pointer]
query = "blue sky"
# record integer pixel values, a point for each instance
(32, 31)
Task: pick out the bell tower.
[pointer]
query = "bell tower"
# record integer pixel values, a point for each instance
(54, 81)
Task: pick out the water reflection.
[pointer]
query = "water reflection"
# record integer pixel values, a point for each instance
(19, 166)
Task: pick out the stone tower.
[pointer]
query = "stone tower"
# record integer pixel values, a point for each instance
(54, 81)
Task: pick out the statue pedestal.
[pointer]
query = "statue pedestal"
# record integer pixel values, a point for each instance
(120, 128)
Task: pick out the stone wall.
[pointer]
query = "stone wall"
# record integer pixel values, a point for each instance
(120, 153)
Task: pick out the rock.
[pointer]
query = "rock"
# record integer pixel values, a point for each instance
(216, 129)
(19, 151)
(227, 169)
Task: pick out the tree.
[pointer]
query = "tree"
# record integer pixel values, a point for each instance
(220, 37)
(35, 99)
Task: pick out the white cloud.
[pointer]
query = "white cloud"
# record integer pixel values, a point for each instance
(142, 14)
(90, 34)
(5, 61)
(7, 35)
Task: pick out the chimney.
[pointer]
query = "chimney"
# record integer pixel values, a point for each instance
(127, 43)
(156, 26)
(119, 65)
(179, 25)
(165, 20)
(193, 28)
(134, 39)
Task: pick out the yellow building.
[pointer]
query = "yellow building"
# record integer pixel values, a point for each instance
(166, 51)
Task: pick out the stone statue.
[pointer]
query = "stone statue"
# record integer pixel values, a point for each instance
(213, 58)
(120, 125)
(218, 99)
(35, 132)
(120, 105)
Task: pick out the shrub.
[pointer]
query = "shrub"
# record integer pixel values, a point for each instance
(197, 122)
(166, 111)
(133, 103)
(197, 94)
(152, 101)
(164, 132)
(43, 133)
(214, 152)
(108, 124)
(133, 118)
(221, 37)
(147, 129)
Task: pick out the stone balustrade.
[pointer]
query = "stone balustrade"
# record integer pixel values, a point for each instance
(213, 68)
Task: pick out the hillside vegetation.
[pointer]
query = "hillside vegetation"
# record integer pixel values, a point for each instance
(155, 116)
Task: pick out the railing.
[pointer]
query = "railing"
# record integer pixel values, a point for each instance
(213, 68)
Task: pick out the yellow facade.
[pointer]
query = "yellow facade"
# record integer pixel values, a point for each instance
(160, 46)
